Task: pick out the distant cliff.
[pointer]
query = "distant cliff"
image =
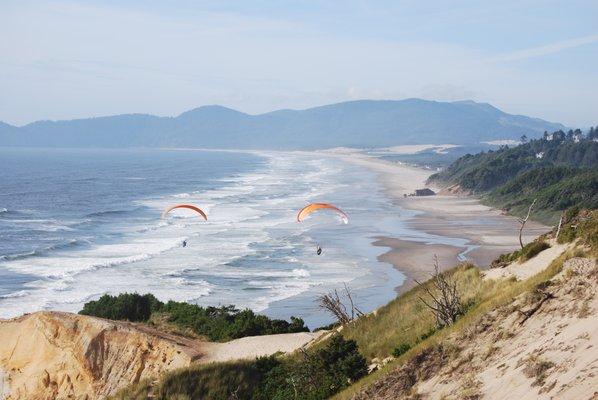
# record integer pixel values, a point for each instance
(364, 123)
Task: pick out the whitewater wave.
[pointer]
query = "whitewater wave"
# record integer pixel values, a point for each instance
(251, 242)
(44, 251)
(20, 293)
(110, 213)
(68, 264)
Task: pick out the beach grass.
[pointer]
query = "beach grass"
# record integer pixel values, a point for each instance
(406, 320)
(212, 381)
(484, 296)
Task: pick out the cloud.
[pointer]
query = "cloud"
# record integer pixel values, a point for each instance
(539, 51)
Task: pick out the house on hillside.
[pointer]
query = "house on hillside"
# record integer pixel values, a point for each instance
(424, 192)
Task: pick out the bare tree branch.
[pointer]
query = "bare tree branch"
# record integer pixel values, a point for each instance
(524, 220)
(445, 300)
(558, 230)
(333, 304)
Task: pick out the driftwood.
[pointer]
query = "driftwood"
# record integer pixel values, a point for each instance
(445, 299)
(522, 221)
(333, 304)
(527, 314)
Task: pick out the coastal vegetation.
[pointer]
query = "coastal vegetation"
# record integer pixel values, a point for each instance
(529, 251)
(429, 355)
(215, 323)
(560, 170)
(313, 374)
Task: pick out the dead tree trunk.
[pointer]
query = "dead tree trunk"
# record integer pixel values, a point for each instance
(445, 299)
(522, 221)
(333, 304)
(558, 230)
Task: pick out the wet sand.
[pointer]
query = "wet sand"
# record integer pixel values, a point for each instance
(416, 259)
(487, 231)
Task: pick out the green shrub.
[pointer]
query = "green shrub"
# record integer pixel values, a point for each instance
(312, 375)
(226, 322)
(400, 350)
(317, 375)
(580, 224)
(505, 259)
(218, 381)
(533, 249)
(216, 323)
(529, 251)
(125, 306)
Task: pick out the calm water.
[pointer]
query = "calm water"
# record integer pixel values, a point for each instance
(75, 224)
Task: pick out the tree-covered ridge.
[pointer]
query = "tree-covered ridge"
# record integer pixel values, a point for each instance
(361, 123)
(216, 323)
(560, 170)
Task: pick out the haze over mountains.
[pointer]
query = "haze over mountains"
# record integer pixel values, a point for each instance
(363, 123)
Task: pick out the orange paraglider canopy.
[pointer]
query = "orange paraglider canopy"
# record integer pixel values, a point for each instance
(189, 206)
(305, 211)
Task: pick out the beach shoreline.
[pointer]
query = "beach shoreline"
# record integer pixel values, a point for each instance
(485, 232)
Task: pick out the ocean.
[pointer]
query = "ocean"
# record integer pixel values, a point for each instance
(75, 224)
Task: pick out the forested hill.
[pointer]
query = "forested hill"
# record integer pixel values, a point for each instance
(363, 123)
(560, 171)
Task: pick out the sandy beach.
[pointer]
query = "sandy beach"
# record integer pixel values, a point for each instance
(487, 231)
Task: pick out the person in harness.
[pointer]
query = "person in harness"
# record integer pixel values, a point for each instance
(318, 249)
(184, 243)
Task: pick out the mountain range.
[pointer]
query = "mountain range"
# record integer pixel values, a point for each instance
(362, 123)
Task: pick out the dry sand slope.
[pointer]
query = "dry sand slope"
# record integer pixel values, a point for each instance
(55, 355)
(533, 348)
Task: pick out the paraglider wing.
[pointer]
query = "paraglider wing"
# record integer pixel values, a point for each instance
(189, 206)
(307, 210)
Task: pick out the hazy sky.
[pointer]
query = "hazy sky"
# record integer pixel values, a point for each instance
(69, 59)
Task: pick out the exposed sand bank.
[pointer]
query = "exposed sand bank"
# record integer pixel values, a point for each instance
(488, 231)
(531, 267)
(57, 355)
(257, 346)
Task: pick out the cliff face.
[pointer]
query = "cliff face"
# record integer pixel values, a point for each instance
(52, 355)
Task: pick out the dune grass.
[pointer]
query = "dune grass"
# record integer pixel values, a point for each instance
(405, 320)
(484, 296)
(528, 252)
(210, 381)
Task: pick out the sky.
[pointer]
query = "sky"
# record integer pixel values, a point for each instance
(77, 59)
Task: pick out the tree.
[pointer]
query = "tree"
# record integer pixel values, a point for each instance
(445, 299)
(545, 136)
(333, 304)
(558, 136)
(523, 138)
